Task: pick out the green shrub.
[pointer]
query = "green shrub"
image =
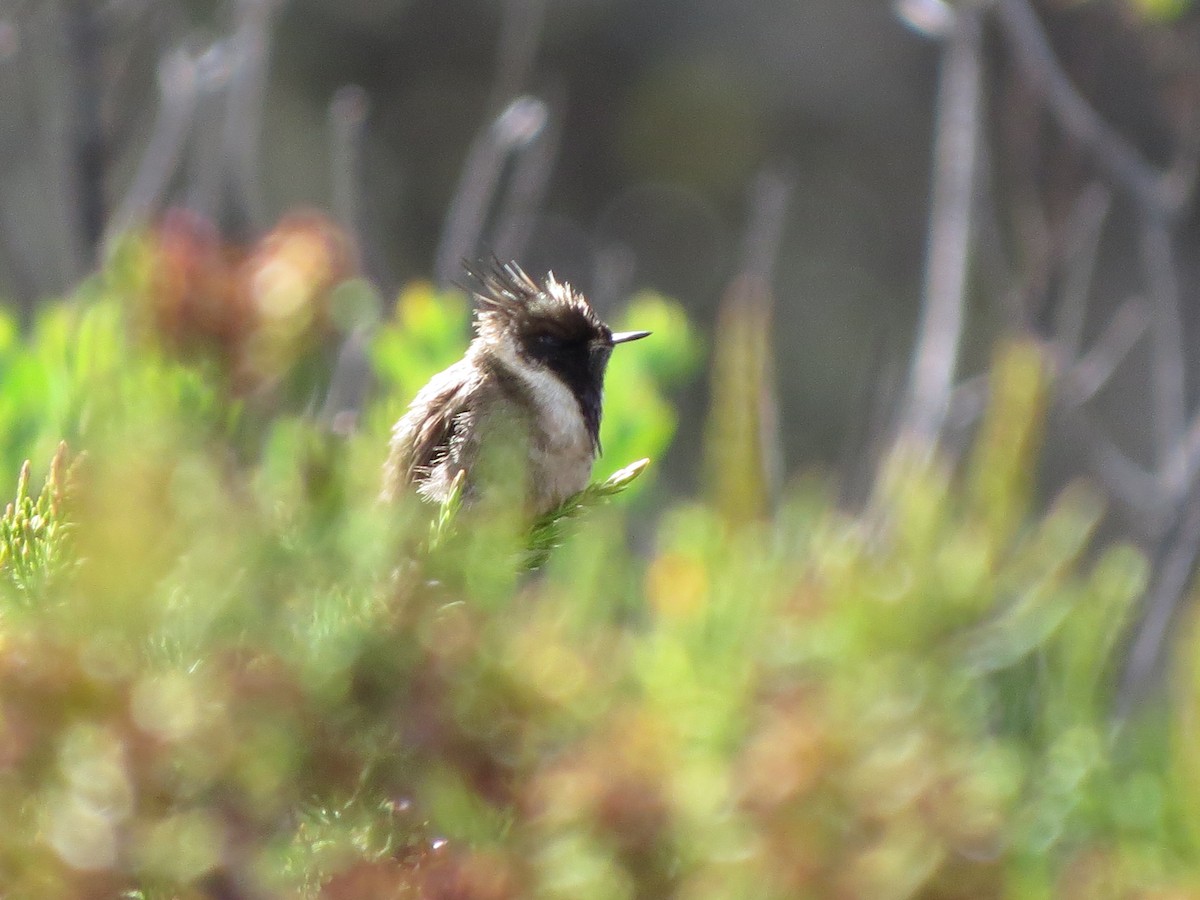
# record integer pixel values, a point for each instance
(225, 669)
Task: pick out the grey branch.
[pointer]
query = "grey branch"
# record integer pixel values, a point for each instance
(1162, 193)
(519, 123)
(1173, 574)
(347, 118)
(935, 356)
(527, 188)
(516, 50)
(1169, 367)
(244, 104)
(178, 89)
(1084, 379)
(1139, 490)
(1084, 231)
(89, 140)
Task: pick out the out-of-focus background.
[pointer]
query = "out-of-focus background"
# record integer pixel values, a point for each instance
(944, 253)
(652, 144)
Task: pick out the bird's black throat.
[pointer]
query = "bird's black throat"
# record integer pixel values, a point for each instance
(580, 367)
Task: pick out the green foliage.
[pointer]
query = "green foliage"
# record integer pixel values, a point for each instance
(226, 668)
(548, 532)
(34, 530)
(1163, 10)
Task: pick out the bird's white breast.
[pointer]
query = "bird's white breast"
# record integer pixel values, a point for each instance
(561, 455)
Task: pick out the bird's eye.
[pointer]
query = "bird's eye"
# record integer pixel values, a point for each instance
(547, 343)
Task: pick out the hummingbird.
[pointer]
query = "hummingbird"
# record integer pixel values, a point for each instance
(531, 380)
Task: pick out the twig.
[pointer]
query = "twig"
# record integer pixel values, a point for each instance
(1161, 193)
(1079, 383)
(520, 36)
(968, 400)
(1189, 450)
(178, 90)
(352, 371)
(513, 128)
(348, 384)
(243, 108)
(873, 405)
(1138, 489)
(1169, 370)
(769, 198)
(519, 123)
(1173, 574)
(613, 266)
(205, 154)
(347, 118)
(88, 144)
(935, 355)
(47, 75)
(526, 189)
(1089, 374)
(1084, 230)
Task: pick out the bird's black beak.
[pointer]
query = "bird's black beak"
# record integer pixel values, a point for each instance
(623, 337)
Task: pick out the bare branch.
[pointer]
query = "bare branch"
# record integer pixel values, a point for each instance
(1137, 489)
(769, 198)
(1189, 451)
(1169, 367)
(520, 36)
(347, 117)
(178, 89)
(967, 402)
(612, 273)
(244, 104)
(1173, 574)
(348, 384)
(527, 189)
(1084, 379)
(519, 123)
(205, 157)
(1084, 230)
(89, 144)
(1162, 193)
(935, 355)
(46, 74)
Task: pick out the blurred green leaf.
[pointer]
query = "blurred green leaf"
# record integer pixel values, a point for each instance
(740, 438)
(1003, 463)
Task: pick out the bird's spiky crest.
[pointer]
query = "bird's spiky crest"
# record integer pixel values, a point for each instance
(506, 292)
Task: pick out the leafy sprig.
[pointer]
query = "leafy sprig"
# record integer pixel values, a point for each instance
(34, 530)
(550, 530)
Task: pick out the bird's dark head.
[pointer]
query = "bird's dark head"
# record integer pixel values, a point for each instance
(548, 328)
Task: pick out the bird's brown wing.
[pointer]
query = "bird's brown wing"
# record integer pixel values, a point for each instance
(426, 433)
